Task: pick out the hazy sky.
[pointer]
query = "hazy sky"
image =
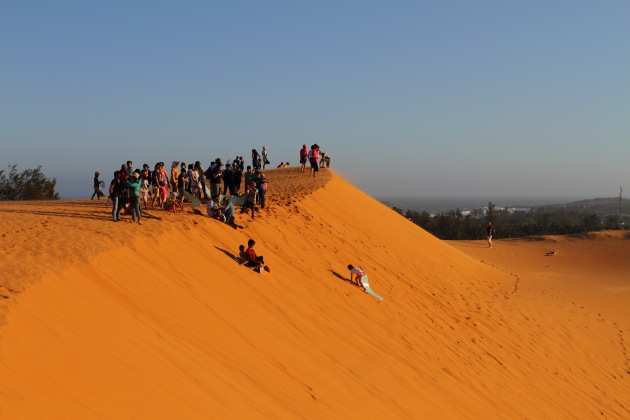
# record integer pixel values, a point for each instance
(410, 98)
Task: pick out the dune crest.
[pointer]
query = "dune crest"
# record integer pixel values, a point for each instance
(118, 321)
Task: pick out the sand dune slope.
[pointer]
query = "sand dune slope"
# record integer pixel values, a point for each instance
(113, 320)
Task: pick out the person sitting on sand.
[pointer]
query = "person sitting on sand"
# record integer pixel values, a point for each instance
(254, 261)
(214, 208)
(241, 254)
(281, 165)
(356, 275)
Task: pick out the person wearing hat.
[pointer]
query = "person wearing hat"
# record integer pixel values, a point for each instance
(303, 158)
(133, 184)
(265, 160)
(97, 187)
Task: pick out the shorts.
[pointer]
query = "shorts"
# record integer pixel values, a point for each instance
(163, 191)
(302, 160)
(314, 165)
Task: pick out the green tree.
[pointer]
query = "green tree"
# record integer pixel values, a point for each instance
(31, 184)
(490, 216)
(591, 222)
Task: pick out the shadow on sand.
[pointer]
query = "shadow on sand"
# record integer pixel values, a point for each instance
(339, 276)
(229, 254)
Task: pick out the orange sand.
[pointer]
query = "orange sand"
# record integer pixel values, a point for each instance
(114, 320)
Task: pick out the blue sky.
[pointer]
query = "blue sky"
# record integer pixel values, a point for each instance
(410, 98)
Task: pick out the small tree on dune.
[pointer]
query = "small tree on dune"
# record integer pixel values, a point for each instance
(31, 184)
(490, 216)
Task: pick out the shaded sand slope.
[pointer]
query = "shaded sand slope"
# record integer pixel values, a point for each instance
(124, 321)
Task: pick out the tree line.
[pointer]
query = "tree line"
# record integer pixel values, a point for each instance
(455, 225)
(30, 184)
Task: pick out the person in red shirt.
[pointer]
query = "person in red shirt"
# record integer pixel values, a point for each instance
(253, 260)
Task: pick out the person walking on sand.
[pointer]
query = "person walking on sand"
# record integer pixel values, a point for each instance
(490, 234)
(356, 275)
(265, 158)
(97, 187)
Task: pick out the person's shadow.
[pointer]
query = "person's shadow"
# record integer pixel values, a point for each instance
(229, 254)
(339, 276)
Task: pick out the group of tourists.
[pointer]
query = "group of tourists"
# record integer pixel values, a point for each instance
(157, 188)
(167, 188)
(315, 157)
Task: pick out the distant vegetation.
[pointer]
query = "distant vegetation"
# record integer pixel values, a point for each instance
(31, 184)
(572, 218)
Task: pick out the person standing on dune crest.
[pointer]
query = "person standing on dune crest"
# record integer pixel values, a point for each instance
(490, 234)
(303, 158)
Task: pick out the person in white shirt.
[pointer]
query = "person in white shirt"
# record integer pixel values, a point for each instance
(356, 275)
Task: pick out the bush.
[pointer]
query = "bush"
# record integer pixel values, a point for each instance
(31, 184)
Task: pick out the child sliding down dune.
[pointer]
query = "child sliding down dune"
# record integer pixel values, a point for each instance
(254, 261)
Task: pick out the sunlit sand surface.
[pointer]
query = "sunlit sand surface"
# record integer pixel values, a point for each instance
(115, 320)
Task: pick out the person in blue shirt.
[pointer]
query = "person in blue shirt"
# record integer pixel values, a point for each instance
(133, 184)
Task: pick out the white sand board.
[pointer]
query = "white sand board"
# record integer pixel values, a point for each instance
(364, 281)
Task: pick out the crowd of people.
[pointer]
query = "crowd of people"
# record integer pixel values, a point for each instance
(132, 188)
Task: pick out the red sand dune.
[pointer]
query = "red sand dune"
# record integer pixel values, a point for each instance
(114, 320)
